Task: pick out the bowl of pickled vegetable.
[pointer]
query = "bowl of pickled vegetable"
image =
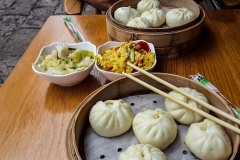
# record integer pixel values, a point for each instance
(65, 64)
(112, 58)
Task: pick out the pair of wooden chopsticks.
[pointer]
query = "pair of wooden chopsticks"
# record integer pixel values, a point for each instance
(204, 104)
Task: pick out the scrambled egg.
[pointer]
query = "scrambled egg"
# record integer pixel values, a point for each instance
(115, 59)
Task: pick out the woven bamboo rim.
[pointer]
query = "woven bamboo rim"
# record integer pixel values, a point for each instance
(167, 44)
(74, 139)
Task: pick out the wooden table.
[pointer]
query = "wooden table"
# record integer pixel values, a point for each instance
(34, 114)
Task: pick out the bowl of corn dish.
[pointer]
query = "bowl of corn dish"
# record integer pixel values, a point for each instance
(112, 58)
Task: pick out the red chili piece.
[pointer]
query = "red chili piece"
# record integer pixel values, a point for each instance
(143, 45)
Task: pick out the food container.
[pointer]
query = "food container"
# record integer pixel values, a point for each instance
(122, 88)
(169, 42)
(111, 76)
(70, 79)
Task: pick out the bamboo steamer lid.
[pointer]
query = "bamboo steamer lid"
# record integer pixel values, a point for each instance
(126, 87)
(169, 42)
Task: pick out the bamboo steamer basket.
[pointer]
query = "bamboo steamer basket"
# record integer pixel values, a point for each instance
(122, 87)
(169, 42)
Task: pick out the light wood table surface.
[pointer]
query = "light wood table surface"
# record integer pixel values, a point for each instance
(34, 114)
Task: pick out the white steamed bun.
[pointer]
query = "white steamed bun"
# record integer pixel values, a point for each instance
(179, 16)
(124, 14)
(155, 127)
(139, 22)
(142, 152)
(208, 141)
(111, 118)
(181, 113)
(155, 16)
(146, 5)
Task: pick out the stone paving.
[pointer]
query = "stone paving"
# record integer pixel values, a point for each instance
(20, 20)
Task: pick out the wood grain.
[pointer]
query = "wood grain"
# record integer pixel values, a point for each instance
(34, 114)
(73, 6)
(217, 55)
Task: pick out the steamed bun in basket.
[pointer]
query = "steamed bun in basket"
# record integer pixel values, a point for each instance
(146, 5)
(179, 16)
(181, 113)
(208, 141)
(155, 127)
(155, 16)
(139, 22)
(111, 118)
(142, 152)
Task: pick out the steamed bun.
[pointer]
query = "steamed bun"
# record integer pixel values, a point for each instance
(124, 14)
(146, 5)
(181, 113)
(142, 152)
(139, 22)
(111, 118)
(155, 127)
(179, 16)
(155, 16)
(208, 141)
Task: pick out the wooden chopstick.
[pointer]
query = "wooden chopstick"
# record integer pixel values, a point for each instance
(204, 104)
(204, 114)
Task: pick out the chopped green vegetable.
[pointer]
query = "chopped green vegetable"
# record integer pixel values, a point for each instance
(79, 55)
(132, 54)
(63, 60)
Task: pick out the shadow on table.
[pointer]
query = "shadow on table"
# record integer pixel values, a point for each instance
(63, 99)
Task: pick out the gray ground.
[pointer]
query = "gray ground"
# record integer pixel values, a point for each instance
(20, 20)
